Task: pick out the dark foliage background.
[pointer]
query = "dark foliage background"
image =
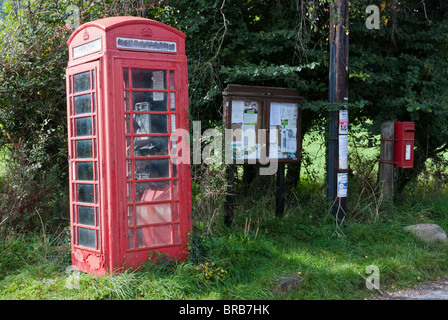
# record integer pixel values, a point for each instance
(398, 72)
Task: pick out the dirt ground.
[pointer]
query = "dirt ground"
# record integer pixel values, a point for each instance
(436, 290)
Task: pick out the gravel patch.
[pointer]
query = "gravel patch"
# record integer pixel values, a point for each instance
(437, 290)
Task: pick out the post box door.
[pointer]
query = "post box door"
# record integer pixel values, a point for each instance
(404, 144)
(152, 111)
(82, 105)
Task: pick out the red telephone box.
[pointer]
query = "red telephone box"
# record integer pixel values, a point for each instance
(404, 144)
(126, 96)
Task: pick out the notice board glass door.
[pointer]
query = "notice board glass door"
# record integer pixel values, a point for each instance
(265, 123)
(284, 130)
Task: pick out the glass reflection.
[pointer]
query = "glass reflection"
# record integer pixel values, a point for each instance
(84, 149)
(150, 146)
(152, 191)
(85, 170)
(150, 123)
(86, 238)
(148, 79)
(153, 213)
(151, 169)
(82, 104)
(86, 193)
(126, 77)
(82, 81)
(153, 236)
(86, 215)
(149, 101)
(83, 126)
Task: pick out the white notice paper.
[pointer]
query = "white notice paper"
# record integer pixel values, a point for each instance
(237, 112)
(342, 185)
(250, 118)
(289, 140)
(289, 111)
(343, 121)
(273, 135)
(275, 114)
(273, 150)
(343, 152)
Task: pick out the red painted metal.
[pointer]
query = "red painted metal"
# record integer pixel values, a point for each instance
(404, 144)
(119, 212)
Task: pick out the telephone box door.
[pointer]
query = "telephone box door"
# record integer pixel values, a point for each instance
(157, 208)
(85, 193)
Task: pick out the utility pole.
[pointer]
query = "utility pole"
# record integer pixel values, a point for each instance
(338, 93)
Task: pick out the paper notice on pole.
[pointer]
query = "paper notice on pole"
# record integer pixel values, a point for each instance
(343, 151)
(342, 185)
(275, 114)
(237, 112)
(343, 121)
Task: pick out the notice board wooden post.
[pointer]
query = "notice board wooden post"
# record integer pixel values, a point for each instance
(280, 198)
(251, 112)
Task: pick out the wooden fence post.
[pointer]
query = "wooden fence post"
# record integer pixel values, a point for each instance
(386, 172)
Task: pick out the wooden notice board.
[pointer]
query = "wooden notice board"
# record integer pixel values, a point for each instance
(266, 123)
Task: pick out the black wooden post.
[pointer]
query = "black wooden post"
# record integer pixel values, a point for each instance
(280, 199)
(338, 92)
(230, 194)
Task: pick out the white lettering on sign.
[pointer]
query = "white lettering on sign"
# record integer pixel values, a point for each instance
(87, 48)
(148, 45)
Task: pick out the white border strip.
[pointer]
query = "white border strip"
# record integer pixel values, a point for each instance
(87, 48)
(147, 45)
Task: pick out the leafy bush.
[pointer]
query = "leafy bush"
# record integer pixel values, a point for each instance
(26, 189)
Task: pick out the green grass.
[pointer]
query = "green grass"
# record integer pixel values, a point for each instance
(245, 261)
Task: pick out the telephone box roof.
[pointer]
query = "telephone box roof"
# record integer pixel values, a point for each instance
(110, 23)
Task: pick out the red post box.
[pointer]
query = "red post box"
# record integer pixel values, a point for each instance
(126, 96)
(404, 144)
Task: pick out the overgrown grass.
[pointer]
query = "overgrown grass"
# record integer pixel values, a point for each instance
(246, 260)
